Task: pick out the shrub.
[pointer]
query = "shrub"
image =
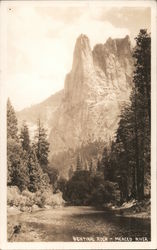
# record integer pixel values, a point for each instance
(13, 196)
(26, 199)
(50, 199)
(56, 200)
(30, 197)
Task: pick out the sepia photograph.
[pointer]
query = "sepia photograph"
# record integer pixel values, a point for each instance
(78, 124)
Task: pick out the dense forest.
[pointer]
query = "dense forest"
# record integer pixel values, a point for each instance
(122, 173)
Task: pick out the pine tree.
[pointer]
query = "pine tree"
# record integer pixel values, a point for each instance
(104, 162)
(98, 166)
(16, 159)
(42, 146)
(12, 128)
(53, 174)
(20, 174)
(142, 81)
(35, 172)
(142, 73)
(125, 152)
(12, 140)
(133, 134)
(78, 164)
(91, 167)
(24, 137)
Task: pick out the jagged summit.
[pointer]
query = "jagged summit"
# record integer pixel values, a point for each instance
(113, 56)
(82, 69)
(118, 45)
(102, 66)
(82, 45)
(110, 40)
(82, 56)
(81, 38)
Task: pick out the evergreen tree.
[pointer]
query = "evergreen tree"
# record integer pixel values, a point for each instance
(12, 128)
(53, 174)
(78, 164)
(17, 174)
(91, 167)
(12, 140)
(42, 145)
(45, 182)
(98, 166)
(133, 134)
(129, 149)
(142, 73)
(105, 162)
(20, 174)
(35, 172)
(24, 137)
(142, 106)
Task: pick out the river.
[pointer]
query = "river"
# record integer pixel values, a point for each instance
(78, 224)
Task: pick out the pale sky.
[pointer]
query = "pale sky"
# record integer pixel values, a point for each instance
(41, 40)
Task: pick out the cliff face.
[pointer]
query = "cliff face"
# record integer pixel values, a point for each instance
(85, 114)
(98, 85)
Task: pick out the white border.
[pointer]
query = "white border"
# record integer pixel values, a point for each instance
(3, 49)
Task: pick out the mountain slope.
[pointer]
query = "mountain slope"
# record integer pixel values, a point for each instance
(44, 110)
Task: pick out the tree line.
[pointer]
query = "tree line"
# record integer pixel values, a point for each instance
(128, 160)
(27, 160)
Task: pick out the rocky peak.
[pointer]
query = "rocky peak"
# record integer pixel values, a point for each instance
(82, 56)
(82, 44)
(82, 70)
(115, 59)
(120, 46)
(108, 65)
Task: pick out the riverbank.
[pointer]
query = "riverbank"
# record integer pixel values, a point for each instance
(132, 209)
(128, 209)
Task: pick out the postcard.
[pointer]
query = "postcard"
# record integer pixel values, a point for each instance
(78, 125)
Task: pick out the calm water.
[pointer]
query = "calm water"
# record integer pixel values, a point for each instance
(80, 224)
